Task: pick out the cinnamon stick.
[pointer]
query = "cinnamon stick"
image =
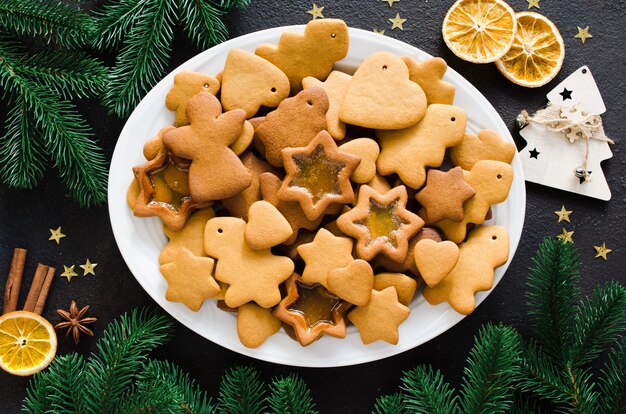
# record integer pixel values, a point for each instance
(45, 288)
(35, 287)
(14, 280)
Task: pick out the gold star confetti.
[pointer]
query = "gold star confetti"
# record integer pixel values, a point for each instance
(563, 214)
(381, 32)
(88, 268)
(583, 34)
(566, 236)
(533, 3)
(397, 22)
(316, 12)
(56, 235)
(69, 272)
(602, 251)
(390, 2)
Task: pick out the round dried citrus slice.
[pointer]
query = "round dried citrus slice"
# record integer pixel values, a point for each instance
(479, 31)
(28, 343)
(537, 52)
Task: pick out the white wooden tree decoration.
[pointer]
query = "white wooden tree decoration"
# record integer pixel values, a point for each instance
(565, 141)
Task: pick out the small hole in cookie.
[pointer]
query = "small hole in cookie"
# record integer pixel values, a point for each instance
(309, 102)
(206, 86)
(494, 237)
(273, 89)
(499, 176)
(333, 35)
(220, 231)
(384, 67)
(453, 119)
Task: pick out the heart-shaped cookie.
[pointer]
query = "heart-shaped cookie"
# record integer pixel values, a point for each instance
(435, 260)
(266, 227)
(381, 95)
(255, 324)
(367, 149)
(352, 283)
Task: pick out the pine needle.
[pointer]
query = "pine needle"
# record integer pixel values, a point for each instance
(491, 370)
(241, 392)
(290, 395)
(52, 21)
(612, 398)
(390, 404)
(552, 296)
(425, 391)
(202, 22)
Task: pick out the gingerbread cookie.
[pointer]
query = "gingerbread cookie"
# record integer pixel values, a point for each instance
(486, 249)
(215, 172)
(190, 237)
(405, 285)
(132, 193)
(352, 283)
(428, 74)
(291, 210)
(444, 195)
(266, 226)
(435, 260)
(325, 253)
(367, 150)
(249, 82)
(381, 95)
(238, 205)
(487, 145)
(380, 184)
(381, 223)
(189, 279)
(336, 86)
(154, 145)
(187, 85)
(295, 123)
(492, 181)
(311, 53)
(255, 324)
(408, 152)
(312, 311)
(408, 265)
(245, 139)
(381, 317)
(251, 275)
(318, 175)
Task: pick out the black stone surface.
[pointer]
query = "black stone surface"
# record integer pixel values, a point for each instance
(26, 216)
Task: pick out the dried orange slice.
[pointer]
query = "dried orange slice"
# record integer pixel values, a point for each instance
(28, 343)
(479, 31)
(537, 52)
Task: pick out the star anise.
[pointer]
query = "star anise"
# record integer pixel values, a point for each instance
(75, 321)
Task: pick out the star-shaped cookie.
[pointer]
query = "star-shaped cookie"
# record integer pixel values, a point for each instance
(381, 317)
(444, 195)
(191, 236)
(325, 253)
(270, 184)
(312, 311)
(318, 175)
(189, 279)
(157, 198)
(381, 223)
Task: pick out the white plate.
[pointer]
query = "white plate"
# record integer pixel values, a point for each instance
(140, 240)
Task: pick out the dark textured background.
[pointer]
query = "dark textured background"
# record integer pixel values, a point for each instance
(26, 216)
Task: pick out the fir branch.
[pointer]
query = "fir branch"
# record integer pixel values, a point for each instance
(115, 20)
(142, 61)
(290, 395)
(49, 20)
(241, 392)
(492, 368)
(70, 74)
(62, 131)
(426, 391)
(390, 404)
(36, 401)
(122, 350)
(612, 382)
(552, 296)
(22, 162)
(202, 22)
(230, 4)
(600, 320)
(541, 376)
